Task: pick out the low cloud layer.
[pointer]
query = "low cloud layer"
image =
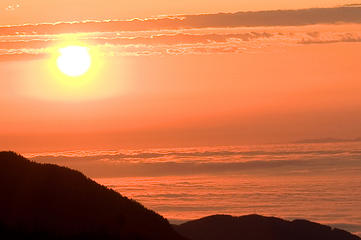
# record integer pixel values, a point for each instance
(294, 160)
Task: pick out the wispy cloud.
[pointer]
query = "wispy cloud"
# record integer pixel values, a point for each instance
(160, 39)
(176, 43)
(12, 7)
(340, 38)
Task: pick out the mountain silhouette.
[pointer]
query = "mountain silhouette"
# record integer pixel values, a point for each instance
(44, 201)
(255, 227)
(48, 202)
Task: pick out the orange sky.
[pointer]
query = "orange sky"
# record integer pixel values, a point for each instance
(37, 11)
(202, 80)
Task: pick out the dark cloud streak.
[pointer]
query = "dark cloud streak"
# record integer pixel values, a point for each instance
(345, 14)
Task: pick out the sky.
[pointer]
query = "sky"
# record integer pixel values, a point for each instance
(240, 106)
(179, 74)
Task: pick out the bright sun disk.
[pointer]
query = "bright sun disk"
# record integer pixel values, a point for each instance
(74, 61)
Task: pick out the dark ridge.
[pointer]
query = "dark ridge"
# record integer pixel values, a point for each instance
(44, 201)
(255, 227)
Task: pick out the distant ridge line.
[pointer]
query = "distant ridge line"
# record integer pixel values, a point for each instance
(328, 140)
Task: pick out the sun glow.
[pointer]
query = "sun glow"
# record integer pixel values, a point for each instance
(75, 71)
(74, 61)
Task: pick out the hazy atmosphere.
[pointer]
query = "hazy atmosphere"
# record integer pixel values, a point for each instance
(192, 108)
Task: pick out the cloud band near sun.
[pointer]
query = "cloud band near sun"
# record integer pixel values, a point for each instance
(189, 34)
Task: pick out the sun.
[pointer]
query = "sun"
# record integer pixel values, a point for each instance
(74, 61)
